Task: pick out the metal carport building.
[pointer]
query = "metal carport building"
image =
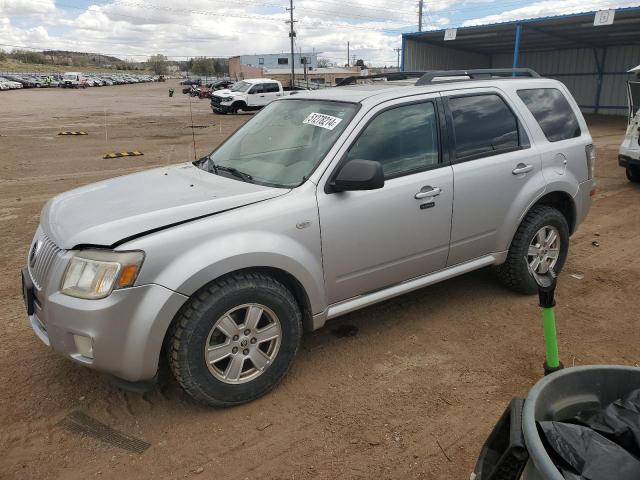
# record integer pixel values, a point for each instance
(592, 61)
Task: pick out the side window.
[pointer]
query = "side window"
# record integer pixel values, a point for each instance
(553, 113)
(403, 139)
(271, 87)
(259, 88)
(483, 126)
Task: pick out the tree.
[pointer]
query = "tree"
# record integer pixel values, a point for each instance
(324, 63)
(26, 56)
(360, 63)
(203, 66)
(158, 63)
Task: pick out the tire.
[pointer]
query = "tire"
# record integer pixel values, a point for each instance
(514, 272)
(195, 329)
(633, 174)
(237, 106)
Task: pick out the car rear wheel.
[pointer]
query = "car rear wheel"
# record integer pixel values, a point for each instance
(235, 339)
(540, 243)
(633, 174)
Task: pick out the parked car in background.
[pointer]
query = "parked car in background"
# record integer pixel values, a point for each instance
(222, 84)
(6, 84)
(246, 95)
(322, 204)
(629, 154)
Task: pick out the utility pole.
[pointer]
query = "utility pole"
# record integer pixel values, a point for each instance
(398, 51)
(348, 57)
(420, 15)
(292, 34)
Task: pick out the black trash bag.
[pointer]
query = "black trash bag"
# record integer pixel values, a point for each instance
(587, 454)
(619, 421)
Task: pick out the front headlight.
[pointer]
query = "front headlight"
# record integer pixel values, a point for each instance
(94, 274)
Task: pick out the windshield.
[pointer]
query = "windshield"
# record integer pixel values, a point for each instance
(241, 87)
(282, 145)
(69, 76)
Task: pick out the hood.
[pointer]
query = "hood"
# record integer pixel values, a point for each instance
(226, 93)
(106, 212)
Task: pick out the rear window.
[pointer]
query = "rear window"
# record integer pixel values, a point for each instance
(553, 113)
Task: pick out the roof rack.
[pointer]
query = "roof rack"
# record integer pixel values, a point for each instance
(391, 76)
(478, 74)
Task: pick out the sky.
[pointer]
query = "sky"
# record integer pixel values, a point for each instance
(135, 29)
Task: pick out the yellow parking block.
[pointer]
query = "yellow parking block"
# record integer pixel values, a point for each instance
(73, 133)
(135, 153)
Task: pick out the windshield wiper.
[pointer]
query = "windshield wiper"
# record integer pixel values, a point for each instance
(234, 171)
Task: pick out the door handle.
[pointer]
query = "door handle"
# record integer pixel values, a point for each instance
(261, 96)
(427, 192)
(522, 168)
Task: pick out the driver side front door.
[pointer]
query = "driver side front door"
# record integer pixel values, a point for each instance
(377, 238)
(256, 96)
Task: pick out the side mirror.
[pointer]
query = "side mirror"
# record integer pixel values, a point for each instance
(358, 175)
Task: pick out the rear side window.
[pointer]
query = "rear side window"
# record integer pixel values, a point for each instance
(483, 125)
(553, 113)
(271, 87)
(403, 139)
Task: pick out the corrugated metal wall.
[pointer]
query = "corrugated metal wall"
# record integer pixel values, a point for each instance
(576, 68)
(420, 56)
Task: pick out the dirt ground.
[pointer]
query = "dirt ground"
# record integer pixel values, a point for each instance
(413, 394)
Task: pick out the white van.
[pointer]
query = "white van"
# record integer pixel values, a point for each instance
(73, 80)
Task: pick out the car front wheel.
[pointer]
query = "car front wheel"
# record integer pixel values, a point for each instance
(540, 243)
(235, 339)
(633, 174)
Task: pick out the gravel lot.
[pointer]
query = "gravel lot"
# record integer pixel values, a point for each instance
(413, 394)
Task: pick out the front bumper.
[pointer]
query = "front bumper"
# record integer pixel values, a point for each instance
(126, 328)
(627, 161)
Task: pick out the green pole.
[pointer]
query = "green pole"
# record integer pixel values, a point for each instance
(550, 337)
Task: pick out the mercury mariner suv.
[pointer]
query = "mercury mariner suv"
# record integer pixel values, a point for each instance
(323, 203)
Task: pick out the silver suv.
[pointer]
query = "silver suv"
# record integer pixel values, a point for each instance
(323, 203)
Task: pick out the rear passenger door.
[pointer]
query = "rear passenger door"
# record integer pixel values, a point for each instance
(271, 92)
(496, 172)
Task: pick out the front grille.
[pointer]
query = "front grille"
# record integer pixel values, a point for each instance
(41, 257)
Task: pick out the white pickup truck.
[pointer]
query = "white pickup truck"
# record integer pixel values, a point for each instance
(246, 95)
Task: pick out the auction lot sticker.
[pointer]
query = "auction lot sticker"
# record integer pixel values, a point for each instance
(321, 120)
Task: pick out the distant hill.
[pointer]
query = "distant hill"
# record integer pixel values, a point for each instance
(81, 58)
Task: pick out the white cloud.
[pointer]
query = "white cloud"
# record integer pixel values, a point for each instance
(21, 36)
(203, 28)
(26, 7)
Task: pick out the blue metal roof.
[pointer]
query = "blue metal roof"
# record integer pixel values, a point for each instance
(541, 33)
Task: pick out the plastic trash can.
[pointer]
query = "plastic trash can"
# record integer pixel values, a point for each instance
(562, 395)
